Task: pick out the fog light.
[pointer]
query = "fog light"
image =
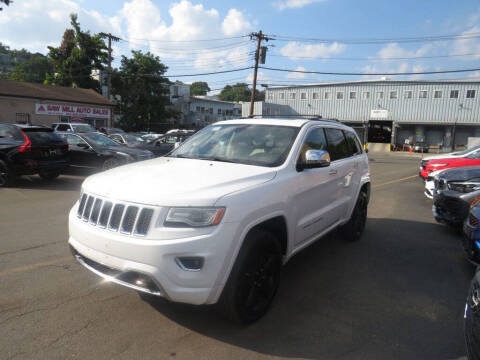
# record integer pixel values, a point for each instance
(190, 263)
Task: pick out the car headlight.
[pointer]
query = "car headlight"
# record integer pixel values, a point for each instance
(464, 186)
(194, 217)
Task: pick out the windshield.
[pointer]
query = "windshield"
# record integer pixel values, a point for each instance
(466, 151)
(99, 140)
(262, 145)
(131, 138)
(82, 128)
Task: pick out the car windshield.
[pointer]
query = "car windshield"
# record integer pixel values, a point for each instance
(262, 145)
(81, 128)
(466, 151)
(99, 140)
(132, 138)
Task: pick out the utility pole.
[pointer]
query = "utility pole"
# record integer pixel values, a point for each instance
(110, 38)
(259, 36)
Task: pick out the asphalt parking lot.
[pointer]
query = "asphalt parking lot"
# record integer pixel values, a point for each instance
(397, 294)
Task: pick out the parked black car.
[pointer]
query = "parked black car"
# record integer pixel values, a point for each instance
(420, 147)
(471, 233)
(161, 146)
(95, 150)
(29, 150)
(168, 142)
(455, 189)
(472, 318)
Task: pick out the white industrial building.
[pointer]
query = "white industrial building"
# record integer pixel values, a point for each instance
(438, 112)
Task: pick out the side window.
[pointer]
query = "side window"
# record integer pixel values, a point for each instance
(315, 141)
(63, 127)
(353, 144)
(337, 144)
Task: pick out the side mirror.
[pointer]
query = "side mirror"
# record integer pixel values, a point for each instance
(314, 159)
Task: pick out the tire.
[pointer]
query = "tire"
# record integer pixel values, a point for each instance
(110, 163)
(472, 322)
(353, 229)
(6, 174)
(49, 175)
(254, 278)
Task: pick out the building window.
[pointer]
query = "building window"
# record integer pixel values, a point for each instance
(270, 96)
(282, 96)
(366, 95)
(454, 94)
(393, 95)
(292, 96)
(219, 112)
(470, 94)
(303, 96)
(197, 109)
(22, 118)
(423, 94)
(408, 94)
(353, 95)
(315, 96)
(380, 95)
(326, 95)
(437, 94)
(339, 95)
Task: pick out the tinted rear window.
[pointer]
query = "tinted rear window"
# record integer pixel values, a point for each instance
(43, 137)
(10, 133)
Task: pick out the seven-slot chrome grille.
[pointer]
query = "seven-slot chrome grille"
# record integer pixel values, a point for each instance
(105, 214)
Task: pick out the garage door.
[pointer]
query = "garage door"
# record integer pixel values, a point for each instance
(434, 136)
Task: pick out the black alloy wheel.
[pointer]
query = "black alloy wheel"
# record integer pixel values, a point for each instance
(254, 278)
(354, 228)
(5, 174)
(472, 322)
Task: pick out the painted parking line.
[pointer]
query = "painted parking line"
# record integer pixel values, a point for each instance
(35, 266)
(394, 181)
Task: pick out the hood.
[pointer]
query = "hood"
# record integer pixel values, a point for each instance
(444, 156)
(461, 173)
(176, 182)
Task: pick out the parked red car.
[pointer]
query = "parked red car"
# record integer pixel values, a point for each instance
(440, 164)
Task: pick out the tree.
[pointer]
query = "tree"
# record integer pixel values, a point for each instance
(78, 54)
(143, 91)
(6, 2)
(34, 69)
(199, 88)
(239, 92)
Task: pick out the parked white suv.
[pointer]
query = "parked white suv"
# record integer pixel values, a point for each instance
(215, 220)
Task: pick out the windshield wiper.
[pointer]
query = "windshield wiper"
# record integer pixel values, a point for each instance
(216, 158)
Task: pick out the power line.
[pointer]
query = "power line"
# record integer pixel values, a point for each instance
(376, 59)
(188, 41)
(370, 74)
(363, 41)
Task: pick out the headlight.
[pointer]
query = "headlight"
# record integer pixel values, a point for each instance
(194, 217)
(464, 187)
(438, 165)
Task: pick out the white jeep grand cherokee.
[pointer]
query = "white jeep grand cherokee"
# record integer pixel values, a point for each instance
(215, 220)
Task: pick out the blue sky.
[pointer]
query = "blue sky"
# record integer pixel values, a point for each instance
(165, 26)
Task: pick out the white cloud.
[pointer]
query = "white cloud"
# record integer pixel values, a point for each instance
(35, 24)
(295, 50)
(467, 46)
(235, 23)
(294, 4)
(294, 75)
(393, 50)
(260, 77)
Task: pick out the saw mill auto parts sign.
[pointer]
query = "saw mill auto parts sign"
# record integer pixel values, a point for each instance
(72, 110)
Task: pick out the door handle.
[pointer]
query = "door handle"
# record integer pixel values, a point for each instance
(332, 172)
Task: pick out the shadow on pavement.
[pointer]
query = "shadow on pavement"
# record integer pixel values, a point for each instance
(396, 294)
(70, 180)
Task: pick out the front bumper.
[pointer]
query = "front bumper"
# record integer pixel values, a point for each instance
(450, 208)
(471, 242)
(119, 255)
